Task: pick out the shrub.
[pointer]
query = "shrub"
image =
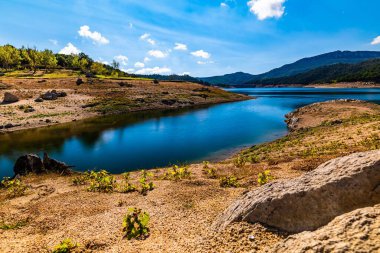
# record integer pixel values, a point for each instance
(127, 186)
(17, 225)
(145, 185)
(228, 182)
(177, 173)
(101, 181)
(209, 172)
(239, 161)
(66, 246)
(15, 187)
(264, 177)
(135, 224)
(82, 179)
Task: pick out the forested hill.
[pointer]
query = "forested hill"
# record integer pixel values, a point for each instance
(297, 67)
(367, 71)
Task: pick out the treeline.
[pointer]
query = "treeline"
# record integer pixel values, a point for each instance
(368, 71)
(176, 78)
(12, 58)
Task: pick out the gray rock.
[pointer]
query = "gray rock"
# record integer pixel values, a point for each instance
(10, 98)
(357, 231)
(314, 199)
(28, 164)
(49, 96)
(38, 100)
(79, 81)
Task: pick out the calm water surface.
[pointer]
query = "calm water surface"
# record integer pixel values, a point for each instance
(148, 140)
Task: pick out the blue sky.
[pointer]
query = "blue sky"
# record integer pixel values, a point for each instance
(198, 37)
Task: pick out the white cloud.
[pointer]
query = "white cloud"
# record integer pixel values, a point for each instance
(264, 9)
(54, 42)
(69, 49)
(202, 54)
(204, 62)
(185, 74)
(122, 59)
(139, 65)
(180, 46)
(129, 70)
(224, 5)
(96, 37)
(157, 53)
(376, 41)
(155, 70)
(146, 37)
(147, 59)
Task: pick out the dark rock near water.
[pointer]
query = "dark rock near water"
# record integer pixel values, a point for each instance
(10, 98)
(32, 163)
(28, 164)
(169, 101)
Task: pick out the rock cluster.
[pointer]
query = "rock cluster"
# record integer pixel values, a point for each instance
(32, 163)
(314, 199)
(52, 95)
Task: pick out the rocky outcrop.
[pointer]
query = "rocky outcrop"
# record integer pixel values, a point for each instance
(52, 95)
(32, 163)
(28, 164)
(314, 199)
(10, 98)
(357, 231)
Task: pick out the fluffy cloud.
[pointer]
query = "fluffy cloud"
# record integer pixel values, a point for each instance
(146, 37)
(155, 70)
(157, 53)
(122, 59)
(185, 74)
(201, 54)
(224, 5)
(147, 59)
(139, 65)
(69, 49)
(96, 37)
(264, 9)
(376, 41)
(180, 46)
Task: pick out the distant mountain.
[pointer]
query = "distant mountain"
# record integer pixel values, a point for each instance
(297, 67)
(176, 78)
(367, 71)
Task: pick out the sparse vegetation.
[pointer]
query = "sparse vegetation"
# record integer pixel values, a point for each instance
(210, 172)
(16, 225)
(228, 182)
(144, 184)
(66, 246)
(240, 161)
(264, 177)
(126, 186)
(135, 224)
(101, 181)
(15, 187)
(177, 173)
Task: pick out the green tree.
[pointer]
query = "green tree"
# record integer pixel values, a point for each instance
(48, 59)
(9, 57)
(98, 68)
(32, 58)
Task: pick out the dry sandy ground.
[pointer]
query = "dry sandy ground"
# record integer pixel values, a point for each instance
(102, 96)
(182, 211)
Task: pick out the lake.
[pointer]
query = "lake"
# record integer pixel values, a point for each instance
(156, 139)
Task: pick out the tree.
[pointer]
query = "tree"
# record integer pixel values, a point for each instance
(32, 57)
(48, 59)
(115, 64)
(98, 68)
(9, 56)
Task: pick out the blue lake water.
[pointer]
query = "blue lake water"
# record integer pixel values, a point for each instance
(155, 139)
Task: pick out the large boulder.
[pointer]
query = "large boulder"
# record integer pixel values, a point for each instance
(10, 98)
(28, 164)
(314, 199)
(357, 231)
(49, 96)
(55, 166)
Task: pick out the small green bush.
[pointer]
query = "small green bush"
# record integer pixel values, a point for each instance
(144, 184)
(15, 187)
(240, 161)
(209, 172)
(17, 225)
(177, 173)
(127, 187)
(228, 182)
(82, 179)
(135, 224)
(101, 181)
(264, 177)
(66, 246)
